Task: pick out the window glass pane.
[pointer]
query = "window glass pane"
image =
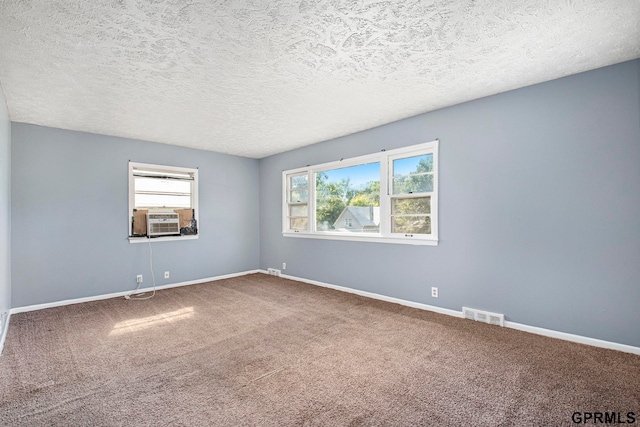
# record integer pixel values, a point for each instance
(298, 210)
(410, 165)
(350, 194)
(413, 174)
(411, 224)
(299, 196)
(413, 184)
(299, 181)
(162, 185)
(162, 201)
(299, 223)
(418, 205)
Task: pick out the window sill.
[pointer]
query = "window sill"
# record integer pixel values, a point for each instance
(374, 238)
(161, 239)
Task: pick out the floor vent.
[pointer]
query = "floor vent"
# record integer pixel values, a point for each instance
(273, 272)
(483, 316)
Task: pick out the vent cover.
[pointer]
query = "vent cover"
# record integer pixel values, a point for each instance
(483, 316)
(273, 272)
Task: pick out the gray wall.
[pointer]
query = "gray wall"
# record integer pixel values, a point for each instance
(539, 208)
(70, 223)
(5, 207)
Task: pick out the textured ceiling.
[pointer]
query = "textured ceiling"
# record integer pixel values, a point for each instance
(255, 78)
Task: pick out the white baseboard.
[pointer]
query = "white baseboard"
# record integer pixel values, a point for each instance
(123, 293)
(573, 338)
(378, 296)
(4, 321)
(513, 325)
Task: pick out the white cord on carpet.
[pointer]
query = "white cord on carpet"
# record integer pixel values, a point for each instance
(139, 297)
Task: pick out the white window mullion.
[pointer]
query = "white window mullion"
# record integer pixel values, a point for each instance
(132, 197)
(434, 194)
(194, 199)
(385, 199)
(312, 201)
(285, 202)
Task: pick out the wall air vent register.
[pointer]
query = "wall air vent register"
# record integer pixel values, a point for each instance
(483, 316)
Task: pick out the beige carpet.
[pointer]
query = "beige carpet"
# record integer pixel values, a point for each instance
(264, 351)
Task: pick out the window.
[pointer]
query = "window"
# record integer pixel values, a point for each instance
(389, 196)
(412, 187)
(298, 202)
(162, 197)
(346, 198)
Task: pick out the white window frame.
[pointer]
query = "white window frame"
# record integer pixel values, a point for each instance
(385, 158)
(291, 203)
(166, 169)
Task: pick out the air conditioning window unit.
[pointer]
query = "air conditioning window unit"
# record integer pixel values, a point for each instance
(163, 224)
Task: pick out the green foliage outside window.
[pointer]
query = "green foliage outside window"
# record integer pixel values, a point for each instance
(333, 196)
(410, 215)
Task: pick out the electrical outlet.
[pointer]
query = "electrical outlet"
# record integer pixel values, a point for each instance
(139, 278)
(166, 274)
(434, 292)
(284, 265)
